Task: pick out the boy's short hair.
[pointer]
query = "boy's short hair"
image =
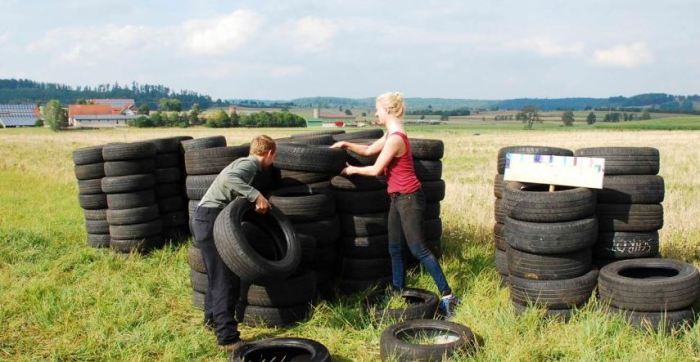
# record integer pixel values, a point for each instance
(261, 145)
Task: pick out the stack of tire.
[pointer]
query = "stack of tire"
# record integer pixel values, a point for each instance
(549, 236)
(196, 183)
(499, 210)
(650, 292)
(629, 205)
(89, 170)
(133, 214)
(305, 170)
(170, 187)
(427, 156)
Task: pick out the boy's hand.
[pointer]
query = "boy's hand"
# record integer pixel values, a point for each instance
(348, 170)
(340, 144)
(262, 206)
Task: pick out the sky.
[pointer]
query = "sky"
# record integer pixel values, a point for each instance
(282, 50)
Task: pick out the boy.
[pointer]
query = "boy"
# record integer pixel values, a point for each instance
(223, 290)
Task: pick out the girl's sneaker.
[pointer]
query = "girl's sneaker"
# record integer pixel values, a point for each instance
(447, 305)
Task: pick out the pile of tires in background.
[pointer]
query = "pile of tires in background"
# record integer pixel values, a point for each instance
(550, 238)
(89, 170)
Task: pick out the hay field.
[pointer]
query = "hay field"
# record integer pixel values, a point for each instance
(61, 300)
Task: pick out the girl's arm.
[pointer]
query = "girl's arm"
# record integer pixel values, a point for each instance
(392, 147)
(362, 150)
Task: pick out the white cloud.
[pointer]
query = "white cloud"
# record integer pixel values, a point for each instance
(626, 56)
(312, 34)
(4, 37)
(221, 35)
(546, 47)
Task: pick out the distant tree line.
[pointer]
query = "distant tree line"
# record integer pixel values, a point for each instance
(443, 114)
(221, 119)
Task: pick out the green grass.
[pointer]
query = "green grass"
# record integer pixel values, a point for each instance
(61, 300)
(670, 124)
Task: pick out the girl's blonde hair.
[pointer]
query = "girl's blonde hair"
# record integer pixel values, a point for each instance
(393, 101)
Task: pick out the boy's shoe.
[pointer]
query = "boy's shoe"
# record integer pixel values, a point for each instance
(447, 305)
(233, 347)
(209, 324)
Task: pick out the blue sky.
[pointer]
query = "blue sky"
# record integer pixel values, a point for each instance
(287, 49)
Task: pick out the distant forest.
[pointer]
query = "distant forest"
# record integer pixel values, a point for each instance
(15, 91)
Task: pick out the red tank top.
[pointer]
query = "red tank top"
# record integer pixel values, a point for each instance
(400, 175)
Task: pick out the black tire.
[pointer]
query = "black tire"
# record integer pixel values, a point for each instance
(166, 145)
(499, 241)
(625, 160)
(90, 187)
(172, 204)
(364, 269)
(358, 160)
(168, 190)
(551, 238)
(191, 206)
(128, 151)
(432, 211)
(236, 251)
(323, 187)
(293, 178)
(358, 183)
(365, 247)
(351, 286)
(422, 304)
(637, 189)
(198, 185)
(90, 171)
(364, 224)
(198, 300)
(426, 149)
(310, 158)
(548, 266)
(432, 229)
(658, 321)
(87, 155)
(131, 183)
(308, 249)
(136, 245)
(649, 285)
(131, 200)
(501, 258)
(275, 317)
(561, 314)
(303, 207)
(203, 143)
(99, 214)
(296, 290)
(427, 170)
(282, 349)
(93, 202)
(212, 160)
(499, 213)
(330, 132)
(393, 344)
(357, 135)
(498, 186)
(195, 259)
(98, 240)
(167, 160)
(135, 231)
(326, 231)
(528, 150)
(199, 281)
(625, 245)
(96, 227)
(434, 191)
(174, 219)
(321, 140)
(553, 294)
(630, 217)
(168, 175)
(325, 259)
(126, 168)
(533, 203)
(362, 202)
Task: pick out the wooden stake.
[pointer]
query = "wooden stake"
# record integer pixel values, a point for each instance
(551, 188)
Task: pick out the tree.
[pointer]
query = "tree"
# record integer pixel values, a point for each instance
(81, 101)
(144, 109)
(170, 104)
(219, 119)
(193, 117)
(645, 115)
(55, 116)
(591, 118)
(568, 118)
(348, 112)
(529, 115)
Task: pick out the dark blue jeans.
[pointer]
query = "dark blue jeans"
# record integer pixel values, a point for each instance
(223, 287)
(406, 223)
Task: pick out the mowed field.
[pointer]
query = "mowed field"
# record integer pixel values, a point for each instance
(61, 300)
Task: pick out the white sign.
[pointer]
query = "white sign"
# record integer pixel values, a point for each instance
(555, 170)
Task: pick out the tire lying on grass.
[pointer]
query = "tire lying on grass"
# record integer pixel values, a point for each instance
(282, 349)
(138, 245)
(658, 321)
(421, 304)
(275, 316)
(562, 314)
(238, 253)
(296, 290)
(649, 285)
(405, 341)
(98, 240)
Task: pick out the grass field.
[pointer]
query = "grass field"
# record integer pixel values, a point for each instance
(61, 300)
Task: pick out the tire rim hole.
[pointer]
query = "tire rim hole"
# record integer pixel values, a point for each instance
(427, 336)
(648, 273)
(278, 354)
(265, 236)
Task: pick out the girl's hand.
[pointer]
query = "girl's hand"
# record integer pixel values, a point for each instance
(340, 144)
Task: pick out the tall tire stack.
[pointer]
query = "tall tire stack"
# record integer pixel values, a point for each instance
(499, 210)
(549, 236)
(305, 169)
(89, 170)
(427, 156)
(170, 186)
(129, 182)
(629, 205)
(196, 183)
(651, 292)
